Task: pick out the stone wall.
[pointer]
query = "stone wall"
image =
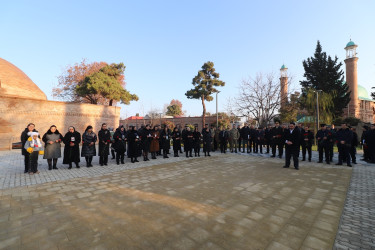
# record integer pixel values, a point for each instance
(16, 113)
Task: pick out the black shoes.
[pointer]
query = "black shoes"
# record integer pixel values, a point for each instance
(285, 166)
(338, 164)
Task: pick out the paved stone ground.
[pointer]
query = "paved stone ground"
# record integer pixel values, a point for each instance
(222, 202)
(357, 223)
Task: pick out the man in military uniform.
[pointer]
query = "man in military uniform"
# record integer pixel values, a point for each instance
(277, 140)
(323, 138)
(233, 139)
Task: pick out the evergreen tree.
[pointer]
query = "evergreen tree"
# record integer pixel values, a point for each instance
(204, 86)
(107, 84)
(324, 73)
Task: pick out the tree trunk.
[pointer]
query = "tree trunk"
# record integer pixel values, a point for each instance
(111, 102)
(204, 112)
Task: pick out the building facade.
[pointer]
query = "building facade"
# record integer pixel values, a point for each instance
(22, 102)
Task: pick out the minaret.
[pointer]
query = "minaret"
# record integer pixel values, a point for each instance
(283, 86)
(351, 78)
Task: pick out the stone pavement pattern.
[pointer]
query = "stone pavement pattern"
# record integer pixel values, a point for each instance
(357, 223)
(222, 202)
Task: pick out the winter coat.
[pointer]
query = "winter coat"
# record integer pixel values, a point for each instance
(24, 138)
(119, 143)
(71, 153)
(52, 151)
(36, 145)
(188, 141)
(88, 150)
(154, 145)
(196, 139)
(165, 139)
(133, 142)
(104, 141)
(146, 139)
(177, 137)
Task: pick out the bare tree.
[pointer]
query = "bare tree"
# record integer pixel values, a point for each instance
(259, 98)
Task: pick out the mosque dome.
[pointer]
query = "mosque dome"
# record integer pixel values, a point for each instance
(15, 83)
(350, 43)
(363, 94)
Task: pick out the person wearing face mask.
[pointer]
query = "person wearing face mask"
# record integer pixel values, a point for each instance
(72, 139)
(52, 139)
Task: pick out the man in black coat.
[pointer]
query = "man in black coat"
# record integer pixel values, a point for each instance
(24, 136)
(104, 141)
(371, 143)
(363, 142)
(245, 136)
(306, 142)
(268, 138)
(353, 146)
(292, 140)
(277, 140)
(323, 138)
(344, 138)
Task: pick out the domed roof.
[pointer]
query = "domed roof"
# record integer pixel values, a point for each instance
(363, 94)
(14, 82)
(283, 67)
(350, 43)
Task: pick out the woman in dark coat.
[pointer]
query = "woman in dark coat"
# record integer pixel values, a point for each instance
(120, 144)
(154, 146)
(188, 140)
(165, 141)
(52, 139)
(146, 138)
(176, 136)
(207, 140)
(104, 141)
(197, 141)
(88, 145)
(30, 128)
(72, 140)
(133, 143)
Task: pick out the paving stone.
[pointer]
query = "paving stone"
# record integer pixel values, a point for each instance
(232, 201)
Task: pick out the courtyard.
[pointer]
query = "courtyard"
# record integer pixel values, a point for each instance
(226, 201)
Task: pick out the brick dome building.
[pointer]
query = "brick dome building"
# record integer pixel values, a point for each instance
(15, 83)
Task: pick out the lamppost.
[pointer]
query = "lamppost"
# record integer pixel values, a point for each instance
(217, 114)
(160, 118)
(317, 108)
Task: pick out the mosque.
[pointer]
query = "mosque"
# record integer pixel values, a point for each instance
(361, 106)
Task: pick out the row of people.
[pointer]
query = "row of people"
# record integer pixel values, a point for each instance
(157, 140)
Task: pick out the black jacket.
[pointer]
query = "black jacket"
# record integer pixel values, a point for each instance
(293, 137)
(104, 137)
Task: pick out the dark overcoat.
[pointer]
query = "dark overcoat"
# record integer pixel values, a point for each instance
(104, 137)
(71, 153)
(88, 150)
(119, 141)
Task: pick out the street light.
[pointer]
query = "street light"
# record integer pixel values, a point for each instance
(160, 118)
(317, 108)
(217, 114)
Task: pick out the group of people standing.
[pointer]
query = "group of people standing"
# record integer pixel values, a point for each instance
(156, 141)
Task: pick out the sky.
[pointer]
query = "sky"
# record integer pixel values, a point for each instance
(164, 43)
